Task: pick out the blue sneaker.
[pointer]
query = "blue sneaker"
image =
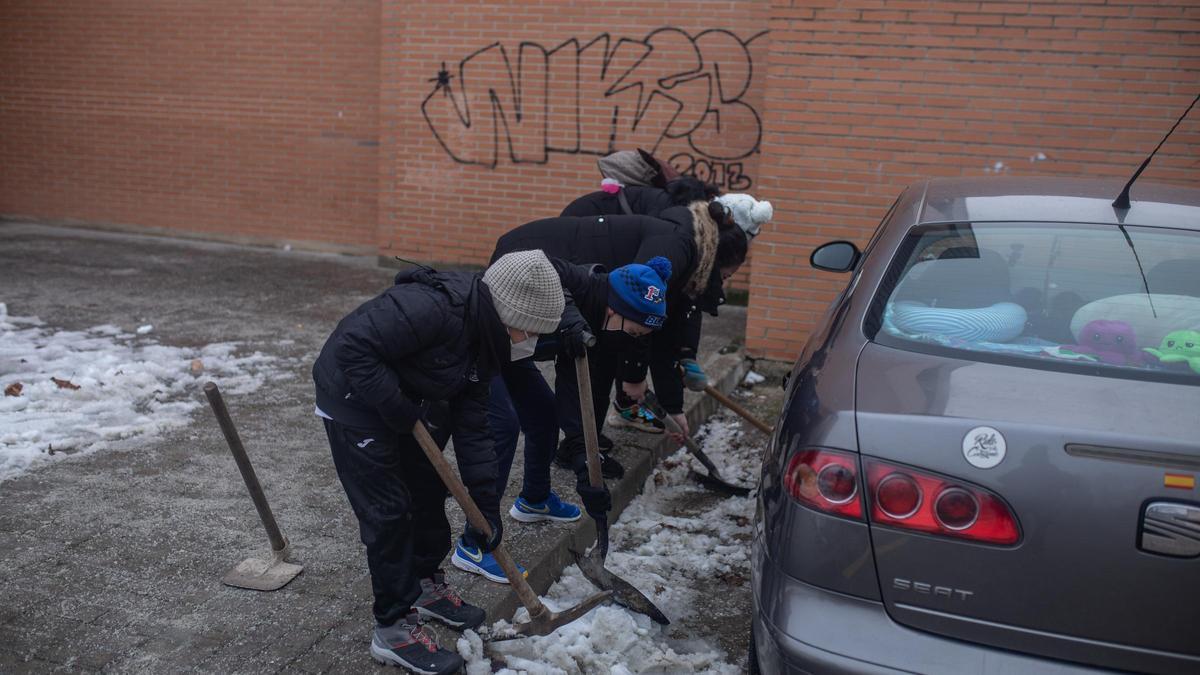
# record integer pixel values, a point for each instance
(474, 560)
(552, 509)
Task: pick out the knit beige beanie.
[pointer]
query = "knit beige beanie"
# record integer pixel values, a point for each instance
(526, 291)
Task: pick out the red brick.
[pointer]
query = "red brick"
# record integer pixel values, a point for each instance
(221, 121)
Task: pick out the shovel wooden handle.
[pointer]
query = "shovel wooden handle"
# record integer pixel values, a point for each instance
(475, 517)
(279, 543)
(745, 414)
(591, 440)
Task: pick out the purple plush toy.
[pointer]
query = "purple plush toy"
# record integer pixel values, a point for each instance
(1111, 341)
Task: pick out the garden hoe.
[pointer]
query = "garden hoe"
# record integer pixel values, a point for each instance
(742, 412)
(713, 478)
(253, 573)
(592, 564)
(542, 621)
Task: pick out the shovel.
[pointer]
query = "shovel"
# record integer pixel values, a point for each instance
(592, 564)
(713, 479)
(542, 621)
(742, 412)
(254, 573)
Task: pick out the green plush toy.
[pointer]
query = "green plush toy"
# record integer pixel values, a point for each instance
(1179, 346)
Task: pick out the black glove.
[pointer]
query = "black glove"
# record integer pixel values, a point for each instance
(408, 411)
(474, 536)
(576, 339)
(597, 501)
(437, 415)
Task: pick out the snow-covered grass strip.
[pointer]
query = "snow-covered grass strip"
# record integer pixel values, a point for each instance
(71, 392)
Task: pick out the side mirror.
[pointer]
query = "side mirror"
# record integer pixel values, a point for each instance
(836, 256)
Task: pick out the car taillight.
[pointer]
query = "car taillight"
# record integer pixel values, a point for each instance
(914, 500)
(898, 496)
(826, 480)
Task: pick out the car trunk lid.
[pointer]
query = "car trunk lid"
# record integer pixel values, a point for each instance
(1085, 457)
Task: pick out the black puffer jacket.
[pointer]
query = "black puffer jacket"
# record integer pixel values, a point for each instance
(585, 289)
(652, 201)
(433, 336)
(687, 236)
(643, 201)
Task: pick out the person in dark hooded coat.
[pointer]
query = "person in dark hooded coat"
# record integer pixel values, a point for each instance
(690, 237)
(425, 351)
(674, 351)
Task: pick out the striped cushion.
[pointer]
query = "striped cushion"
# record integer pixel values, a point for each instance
(1001, 322)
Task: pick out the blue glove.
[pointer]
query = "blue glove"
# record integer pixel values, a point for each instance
(693, 375)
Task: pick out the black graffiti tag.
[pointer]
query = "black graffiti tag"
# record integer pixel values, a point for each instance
(668, 85)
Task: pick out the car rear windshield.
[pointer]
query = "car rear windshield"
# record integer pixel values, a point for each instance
(1108, 300)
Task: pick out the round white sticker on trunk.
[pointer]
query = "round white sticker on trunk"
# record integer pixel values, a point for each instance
(984, 447)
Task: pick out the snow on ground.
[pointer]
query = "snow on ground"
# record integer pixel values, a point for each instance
(70, 392)
(753, 378)
(663, 550)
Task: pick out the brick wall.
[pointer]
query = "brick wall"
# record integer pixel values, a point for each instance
(494, 113)
(866, 96)
(241, 120)
(425, 130)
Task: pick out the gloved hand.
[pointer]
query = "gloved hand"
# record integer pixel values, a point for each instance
(576, 339)
(693, 375)
(408, 411)
(437, 415)
(485, 543)
(597, 501)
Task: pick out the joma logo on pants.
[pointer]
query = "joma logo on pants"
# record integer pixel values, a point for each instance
(930, 589)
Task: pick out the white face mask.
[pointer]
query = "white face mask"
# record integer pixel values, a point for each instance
(525, 348)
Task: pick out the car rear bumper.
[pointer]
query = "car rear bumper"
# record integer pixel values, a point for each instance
(806, 629)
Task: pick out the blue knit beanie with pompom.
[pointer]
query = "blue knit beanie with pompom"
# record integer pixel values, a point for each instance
(639, 292)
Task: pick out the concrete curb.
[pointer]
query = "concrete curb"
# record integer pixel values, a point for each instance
(724, 371)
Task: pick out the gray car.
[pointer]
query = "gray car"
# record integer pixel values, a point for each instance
(988, 454)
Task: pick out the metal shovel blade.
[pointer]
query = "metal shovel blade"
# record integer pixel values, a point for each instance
(713, 478)
(720, 485)
(258, 574)
(550, 621)
(623, 592)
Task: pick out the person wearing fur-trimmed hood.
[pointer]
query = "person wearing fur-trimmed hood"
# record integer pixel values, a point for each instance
(701, 244)
(636, 183)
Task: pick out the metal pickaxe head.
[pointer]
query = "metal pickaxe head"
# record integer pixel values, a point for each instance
(546, 621)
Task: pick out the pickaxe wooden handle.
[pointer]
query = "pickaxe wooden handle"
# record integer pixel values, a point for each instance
(745, 414)
(541, 620)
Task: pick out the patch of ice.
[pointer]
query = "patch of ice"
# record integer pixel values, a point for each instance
(753, 378)
(666, 555)
(130, 389)
(145, 330)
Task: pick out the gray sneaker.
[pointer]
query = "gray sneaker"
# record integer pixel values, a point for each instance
(410, 645)
(439, 601)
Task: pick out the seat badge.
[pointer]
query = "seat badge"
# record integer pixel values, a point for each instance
(984, 447)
